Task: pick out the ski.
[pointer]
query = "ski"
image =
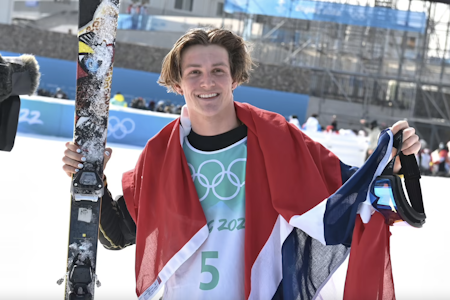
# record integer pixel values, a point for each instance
(96, 40)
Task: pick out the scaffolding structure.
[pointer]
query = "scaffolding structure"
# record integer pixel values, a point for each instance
(369, 65)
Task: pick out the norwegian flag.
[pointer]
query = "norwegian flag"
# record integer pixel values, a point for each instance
(300, 219)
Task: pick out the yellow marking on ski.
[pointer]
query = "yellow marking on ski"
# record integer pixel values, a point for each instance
(83, 48)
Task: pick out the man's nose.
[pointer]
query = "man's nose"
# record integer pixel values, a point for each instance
(208, 81)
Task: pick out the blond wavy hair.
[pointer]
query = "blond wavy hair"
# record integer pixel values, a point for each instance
(241, 63)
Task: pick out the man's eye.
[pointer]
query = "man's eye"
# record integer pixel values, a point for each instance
(218, 71)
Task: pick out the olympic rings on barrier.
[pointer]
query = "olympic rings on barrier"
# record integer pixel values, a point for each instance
(120, 128)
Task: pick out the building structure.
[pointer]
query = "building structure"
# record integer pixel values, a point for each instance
(373, 54)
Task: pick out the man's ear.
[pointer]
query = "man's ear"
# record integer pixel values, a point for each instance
(178, 89)
(234, 85)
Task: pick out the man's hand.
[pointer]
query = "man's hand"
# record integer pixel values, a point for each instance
(411, 144)
(73, 160)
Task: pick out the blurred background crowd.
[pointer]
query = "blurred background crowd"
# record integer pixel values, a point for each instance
(434, 162)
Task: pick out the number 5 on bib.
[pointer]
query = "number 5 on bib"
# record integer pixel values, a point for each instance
(210, 269)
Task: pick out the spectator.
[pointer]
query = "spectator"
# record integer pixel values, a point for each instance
(130, 9)
(361, 133)
(160, 106)
(312, 124)
(144, 17)
(151, 105)
(424, 161)
(346, 132)
(139, 103)
(119, 100)
(168, 109)
(44, 93)
(448, 147)
(134, 16)
(331, 129)
(294, 120)
(441, 161)
(60, 94)
(373, 131)
(333, 124)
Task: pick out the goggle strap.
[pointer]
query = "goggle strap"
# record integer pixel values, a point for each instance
(415, 194)
(410, 167)
(389, 169)
(411, 174)
(398, 143)
(410, 171)
(398, 140)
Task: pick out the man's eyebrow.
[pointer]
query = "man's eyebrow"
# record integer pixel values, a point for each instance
(199, 66)
(220, 64)
(192, 66)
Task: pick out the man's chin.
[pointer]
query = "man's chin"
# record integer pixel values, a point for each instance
(210, 109)
(210, 113)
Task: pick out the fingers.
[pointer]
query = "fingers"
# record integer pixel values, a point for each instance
(399, 126)
(411, 144)
(73, 160)
(408, 133)
(73, 152)
(69, 170)
(107, 156)
(73, 147)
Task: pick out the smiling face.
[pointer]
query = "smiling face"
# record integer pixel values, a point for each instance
(206, 82)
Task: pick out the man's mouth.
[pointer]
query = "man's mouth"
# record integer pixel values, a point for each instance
(208, 96)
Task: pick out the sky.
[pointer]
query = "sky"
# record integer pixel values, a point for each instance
(34, 221)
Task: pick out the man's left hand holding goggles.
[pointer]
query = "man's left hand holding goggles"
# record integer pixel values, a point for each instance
(411, 144)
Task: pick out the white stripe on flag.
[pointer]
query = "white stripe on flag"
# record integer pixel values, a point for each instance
(311, 222)
(268, 267)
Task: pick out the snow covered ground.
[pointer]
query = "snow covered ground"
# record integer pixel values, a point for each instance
(34, 220)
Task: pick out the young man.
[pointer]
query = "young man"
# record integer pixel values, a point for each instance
(230, 201)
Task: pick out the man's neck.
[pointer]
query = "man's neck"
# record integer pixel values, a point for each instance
(210, 126)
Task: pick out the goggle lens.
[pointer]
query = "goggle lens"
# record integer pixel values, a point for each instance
(386, 203)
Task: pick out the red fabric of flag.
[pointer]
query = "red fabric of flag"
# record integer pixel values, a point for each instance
(369, 274)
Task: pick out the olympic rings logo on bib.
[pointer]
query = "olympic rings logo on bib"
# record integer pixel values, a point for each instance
(120, 128)
(218, 178)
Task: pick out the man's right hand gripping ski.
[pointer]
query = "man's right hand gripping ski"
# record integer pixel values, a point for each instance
(74, 160)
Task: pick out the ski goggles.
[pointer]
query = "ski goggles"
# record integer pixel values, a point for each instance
(387, 195)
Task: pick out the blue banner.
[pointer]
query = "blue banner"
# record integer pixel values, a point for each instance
(380, 17)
